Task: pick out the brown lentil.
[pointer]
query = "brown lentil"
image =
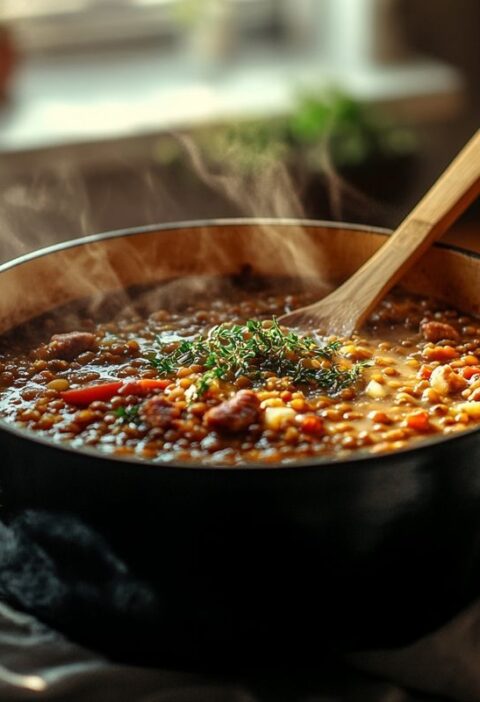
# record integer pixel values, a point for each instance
(406, 340)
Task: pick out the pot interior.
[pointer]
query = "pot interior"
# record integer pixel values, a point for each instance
(322, 254)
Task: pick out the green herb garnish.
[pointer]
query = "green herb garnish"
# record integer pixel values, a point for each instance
(127, 414)
(256, 350)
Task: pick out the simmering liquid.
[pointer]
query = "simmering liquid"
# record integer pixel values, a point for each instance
(220, 383)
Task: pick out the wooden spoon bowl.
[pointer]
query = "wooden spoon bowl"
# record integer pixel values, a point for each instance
(348, 306)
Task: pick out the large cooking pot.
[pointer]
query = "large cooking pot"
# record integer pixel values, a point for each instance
(374, 550)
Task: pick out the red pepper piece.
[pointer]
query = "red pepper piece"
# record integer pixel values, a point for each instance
(469, 371)
(84, 396)
(105, 391)
(419, 421)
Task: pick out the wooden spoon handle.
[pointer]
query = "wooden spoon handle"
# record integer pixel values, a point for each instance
(444, 202)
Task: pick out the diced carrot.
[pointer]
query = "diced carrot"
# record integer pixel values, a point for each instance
(418, 421)
(440, 353)
(311, 424)
(105, 391)
(424, 372)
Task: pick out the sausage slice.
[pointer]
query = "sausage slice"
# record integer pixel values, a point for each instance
(437, 331)
(234, 415)
(67, 346)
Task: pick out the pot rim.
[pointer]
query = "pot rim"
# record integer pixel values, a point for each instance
(373, 460)
(199, 223)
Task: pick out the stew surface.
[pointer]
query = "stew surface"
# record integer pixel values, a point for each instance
(220, 382)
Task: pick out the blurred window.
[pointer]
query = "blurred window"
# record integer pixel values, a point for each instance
(49, 25)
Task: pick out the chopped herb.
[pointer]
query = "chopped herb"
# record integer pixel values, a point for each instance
(128, 414)
(256, 350)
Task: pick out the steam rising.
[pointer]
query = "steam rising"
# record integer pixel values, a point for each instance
(339, 190)
(259, 186)
(192, 260)
(35, 213)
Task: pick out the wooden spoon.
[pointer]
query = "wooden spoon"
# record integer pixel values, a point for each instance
(345, 309)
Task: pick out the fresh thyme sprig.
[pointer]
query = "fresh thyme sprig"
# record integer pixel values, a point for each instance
(255, 350)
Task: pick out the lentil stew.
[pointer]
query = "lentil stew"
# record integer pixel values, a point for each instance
(220, 382)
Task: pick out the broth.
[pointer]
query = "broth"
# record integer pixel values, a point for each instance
(217, 381)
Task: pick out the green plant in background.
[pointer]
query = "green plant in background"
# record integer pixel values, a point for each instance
(351, 132)
(332, 123)
(250, 145)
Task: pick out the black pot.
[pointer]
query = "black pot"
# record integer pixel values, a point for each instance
(372, 551)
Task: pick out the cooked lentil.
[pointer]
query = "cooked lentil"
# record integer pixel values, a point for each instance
(220, 383)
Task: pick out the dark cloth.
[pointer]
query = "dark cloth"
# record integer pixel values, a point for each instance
(59, 575)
